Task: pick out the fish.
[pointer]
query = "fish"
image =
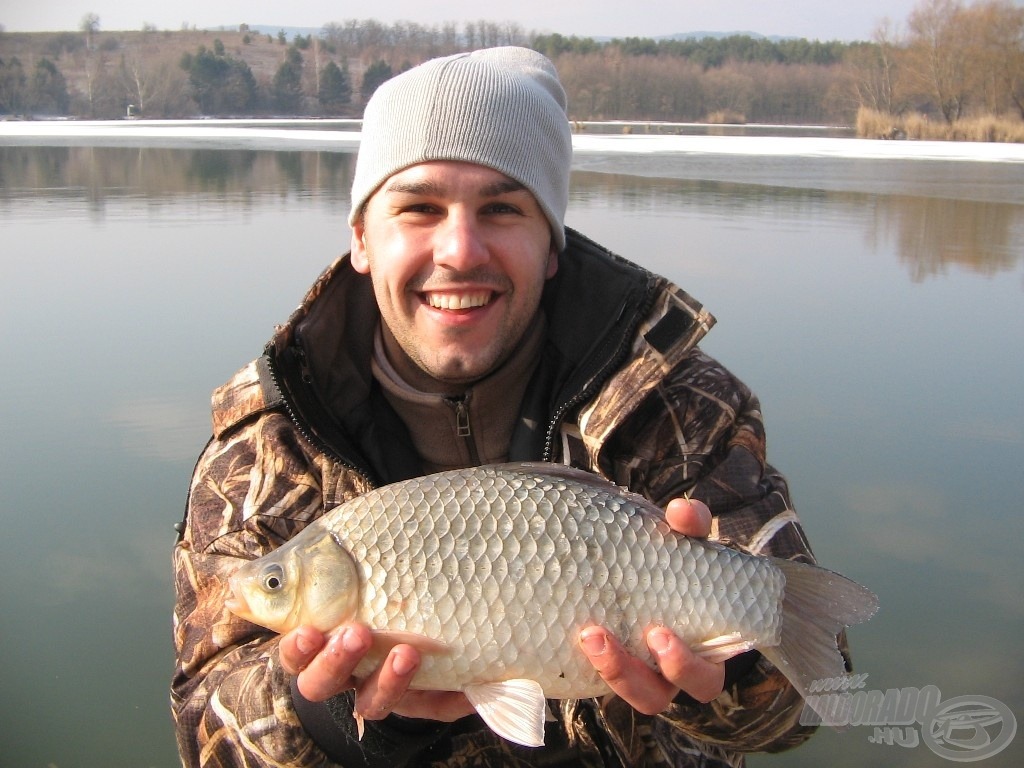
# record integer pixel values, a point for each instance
(493, 571)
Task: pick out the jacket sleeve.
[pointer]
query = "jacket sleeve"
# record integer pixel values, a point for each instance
(253, 488)
(701, 433)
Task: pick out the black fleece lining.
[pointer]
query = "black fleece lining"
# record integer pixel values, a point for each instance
(386, 743)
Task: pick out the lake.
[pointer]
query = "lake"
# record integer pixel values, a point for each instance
(875, 304)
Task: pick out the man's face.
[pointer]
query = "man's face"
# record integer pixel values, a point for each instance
(458, 255)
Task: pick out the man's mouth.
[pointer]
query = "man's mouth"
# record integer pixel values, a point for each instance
(458, 300)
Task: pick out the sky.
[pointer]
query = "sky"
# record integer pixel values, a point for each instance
(811, 19)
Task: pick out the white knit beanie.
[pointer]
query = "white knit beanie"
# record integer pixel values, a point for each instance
(503, 108)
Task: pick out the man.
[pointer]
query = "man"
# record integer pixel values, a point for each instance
(467, 325)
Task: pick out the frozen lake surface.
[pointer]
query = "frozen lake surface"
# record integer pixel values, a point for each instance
(334, 134)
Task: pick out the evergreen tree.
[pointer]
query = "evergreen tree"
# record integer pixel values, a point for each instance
(375, 75)
(221, 85)
(335, 87)
(48, 90)
(13, 87)
(287, 88)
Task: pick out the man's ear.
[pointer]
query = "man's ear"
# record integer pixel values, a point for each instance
(360, 262)
(552, 263)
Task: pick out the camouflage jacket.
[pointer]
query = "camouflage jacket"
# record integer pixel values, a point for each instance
(622, 390)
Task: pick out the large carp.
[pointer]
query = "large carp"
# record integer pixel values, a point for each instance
(493, 571)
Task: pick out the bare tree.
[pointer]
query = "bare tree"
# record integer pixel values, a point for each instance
(157, 86)
(90, 25)
(875, 71)
(997, 28)
(940, 48)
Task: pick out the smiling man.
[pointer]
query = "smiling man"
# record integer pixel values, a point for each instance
(468, 325)
(458, 255)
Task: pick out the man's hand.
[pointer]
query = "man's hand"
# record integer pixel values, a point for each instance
(324, 666)
(679, 669)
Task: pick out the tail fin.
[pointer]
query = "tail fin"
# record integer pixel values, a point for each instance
(817, 605)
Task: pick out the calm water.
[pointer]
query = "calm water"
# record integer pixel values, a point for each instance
(877, 308)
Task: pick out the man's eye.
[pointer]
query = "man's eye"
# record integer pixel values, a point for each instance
(420, 208)
(501, 208)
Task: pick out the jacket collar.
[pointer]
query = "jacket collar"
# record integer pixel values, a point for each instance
(602, 312)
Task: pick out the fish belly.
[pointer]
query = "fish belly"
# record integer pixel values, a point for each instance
(505, 568)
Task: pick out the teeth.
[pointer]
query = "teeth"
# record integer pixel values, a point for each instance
(458, 300)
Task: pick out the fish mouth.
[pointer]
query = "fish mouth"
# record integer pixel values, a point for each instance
(235, 601)
(452, 301)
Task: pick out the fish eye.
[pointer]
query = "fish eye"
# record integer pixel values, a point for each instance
(273, 577)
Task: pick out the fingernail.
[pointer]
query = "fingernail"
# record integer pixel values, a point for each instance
(659, 640)
(402, 665)
(304, 644)
(594, 642)
(352, 641)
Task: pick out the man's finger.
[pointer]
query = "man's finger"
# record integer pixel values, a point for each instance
(298, 648)
(637, 684)
(330, 671)
(698, 677)
(689, 517)
(381, 691)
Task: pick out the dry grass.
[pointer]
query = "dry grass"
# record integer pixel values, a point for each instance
(726, 117)
(872, 124)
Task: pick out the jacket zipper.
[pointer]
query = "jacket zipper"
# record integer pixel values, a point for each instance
(463, 429)
(597, 380)
(300, 424)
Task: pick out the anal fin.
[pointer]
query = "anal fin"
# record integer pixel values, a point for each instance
(513, 709)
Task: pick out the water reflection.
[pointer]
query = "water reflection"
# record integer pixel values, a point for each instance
(99, 173)
(933, 234)
(666, 196)
(930, 234)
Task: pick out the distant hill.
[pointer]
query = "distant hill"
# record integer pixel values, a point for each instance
(722, 35)
(265, 29)
(291, 32)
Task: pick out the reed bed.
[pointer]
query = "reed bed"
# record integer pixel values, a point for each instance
(872, 124)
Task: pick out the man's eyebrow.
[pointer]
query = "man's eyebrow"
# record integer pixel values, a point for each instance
(502, 187)
(431, 188)
(423, 187)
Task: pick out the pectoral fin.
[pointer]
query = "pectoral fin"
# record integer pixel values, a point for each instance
(514, 709)
(721, 648)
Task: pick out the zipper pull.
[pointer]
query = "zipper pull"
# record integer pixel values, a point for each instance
(300, 355)
(462, 418)
(462, 428)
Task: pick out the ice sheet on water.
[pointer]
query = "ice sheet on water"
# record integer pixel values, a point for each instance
(801, 146)
(343, 133)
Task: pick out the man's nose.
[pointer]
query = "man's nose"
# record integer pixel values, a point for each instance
(459, 242)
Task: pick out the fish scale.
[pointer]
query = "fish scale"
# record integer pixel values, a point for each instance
(492, 572)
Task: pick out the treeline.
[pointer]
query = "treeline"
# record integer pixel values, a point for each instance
(953, 60)
(736, 78)
(705, 51)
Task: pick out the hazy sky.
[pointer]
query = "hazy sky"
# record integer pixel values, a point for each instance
(813, 19)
